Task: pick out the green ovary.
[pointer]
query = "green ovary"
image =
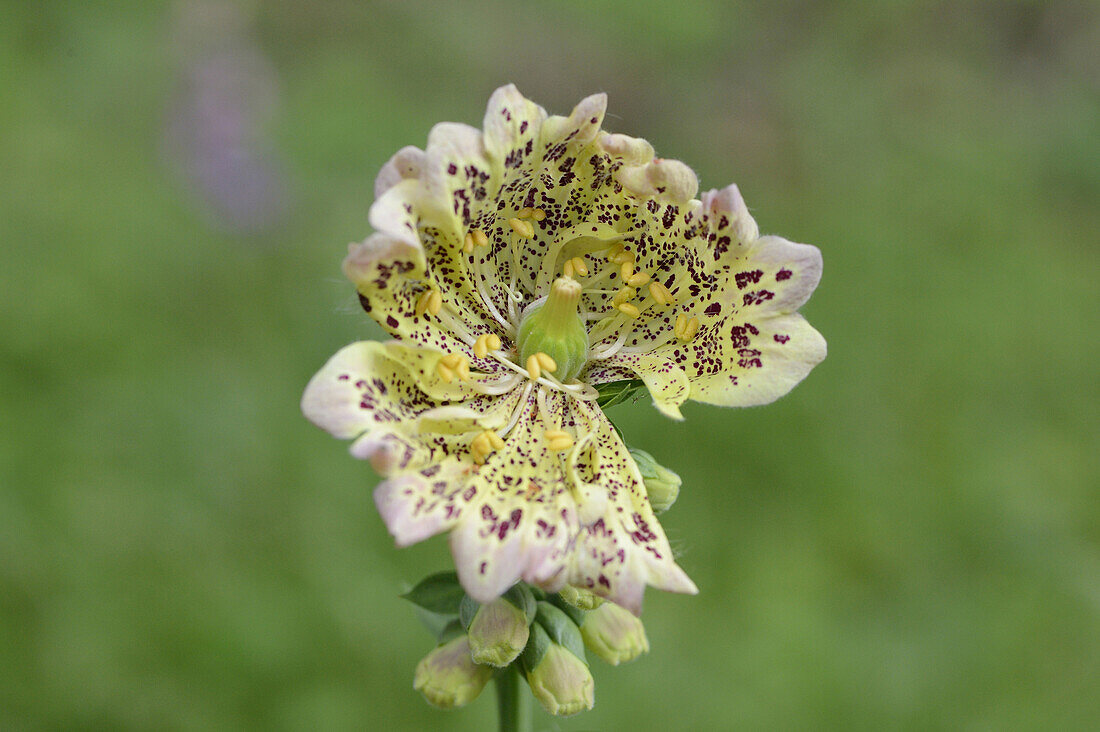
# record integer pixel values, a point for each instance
(556, 329)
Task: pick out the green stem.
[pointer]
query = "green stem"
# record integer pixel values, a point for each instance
(513, 705)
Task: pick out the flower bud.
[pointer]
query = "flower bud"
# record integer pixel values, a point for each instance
(580, 598)
(614, 634)
(661, 484)
(498, 633)
(558, 678)
(448, 677)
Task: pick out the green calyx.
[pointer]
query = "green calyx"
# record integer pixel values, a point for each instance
(556, 329)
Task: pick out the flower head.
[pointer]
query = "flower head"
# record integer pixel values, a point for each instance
(519, 268)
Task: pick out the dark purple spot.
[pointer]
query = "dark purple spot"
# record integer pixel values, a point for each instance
(391, 321)
(523, 127)
(713, 309)
(781, 338)
(783, 274)
(452, 168)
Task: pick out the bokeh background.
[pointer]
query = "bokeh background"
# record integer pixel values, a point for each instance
(910, 540)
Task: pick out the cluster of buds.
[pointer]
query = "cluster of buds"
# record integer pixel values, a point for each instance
(545, 635)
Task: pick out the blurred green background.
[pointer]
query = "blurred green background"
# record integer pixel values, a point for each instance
(910, 540)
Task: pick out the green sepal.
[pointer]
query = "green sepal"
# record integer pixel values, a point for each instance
(575, 613)
(538, 592)
(537, 645)
(439, 593)
(453, 630)
(561, 629)
(521, 596)
(616, 392)
(467, 609)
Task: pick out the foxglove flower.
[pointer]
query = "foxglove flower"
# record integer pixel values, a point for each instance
(518, 269)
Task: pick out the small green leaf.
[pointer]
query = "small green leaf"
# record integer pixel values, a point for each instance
(440, 593)
(467, 609)
(616, 392)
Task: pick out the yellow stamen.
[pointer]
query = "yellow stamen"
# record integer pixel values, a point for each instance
(691, 329)
(480, 238)
(579, 266)
(463, 369)
(627, 270)
(686, 329)
(468, 243)
(525, 213)
(568, 269)
(660, 293)
(451, 360)
(435, 302)
(629, 309)
(444, 372)
(493, 341)
(481, 443)
(614, 252)
(559, 444)
(547, 363)
(637, 279)
(533, 368)
(481, 346)
(555, 434)
(538, 214)
(495, 440)
(423, 302)
(624, 294)
(523, 228)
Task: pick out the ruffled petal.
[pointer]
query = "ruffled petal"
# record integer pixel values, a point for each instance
(620, 553)
(760, 361)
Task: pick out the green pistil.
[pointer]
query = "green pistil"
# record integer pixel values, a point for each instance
(556, 329)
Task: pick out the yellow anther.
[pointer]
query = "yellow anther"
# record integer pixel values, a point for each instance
(523, 228)
(525, 213)
(627, 270)
(480, 238)
(481, 443)
(624, 294)
(534, 370)
(458, 364)
(481, 346)
(495, 440)
(423, 303)
(468, 243)
(614, 252)
(493, 341)
(579, 266)
(637, 279)
(538, 214)
(435, 302)
(629, 309)
(568, 269)
(444, 372)
(558, 440)
(481, 446)
(686, 329)
(547, 363)
(660, 293)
